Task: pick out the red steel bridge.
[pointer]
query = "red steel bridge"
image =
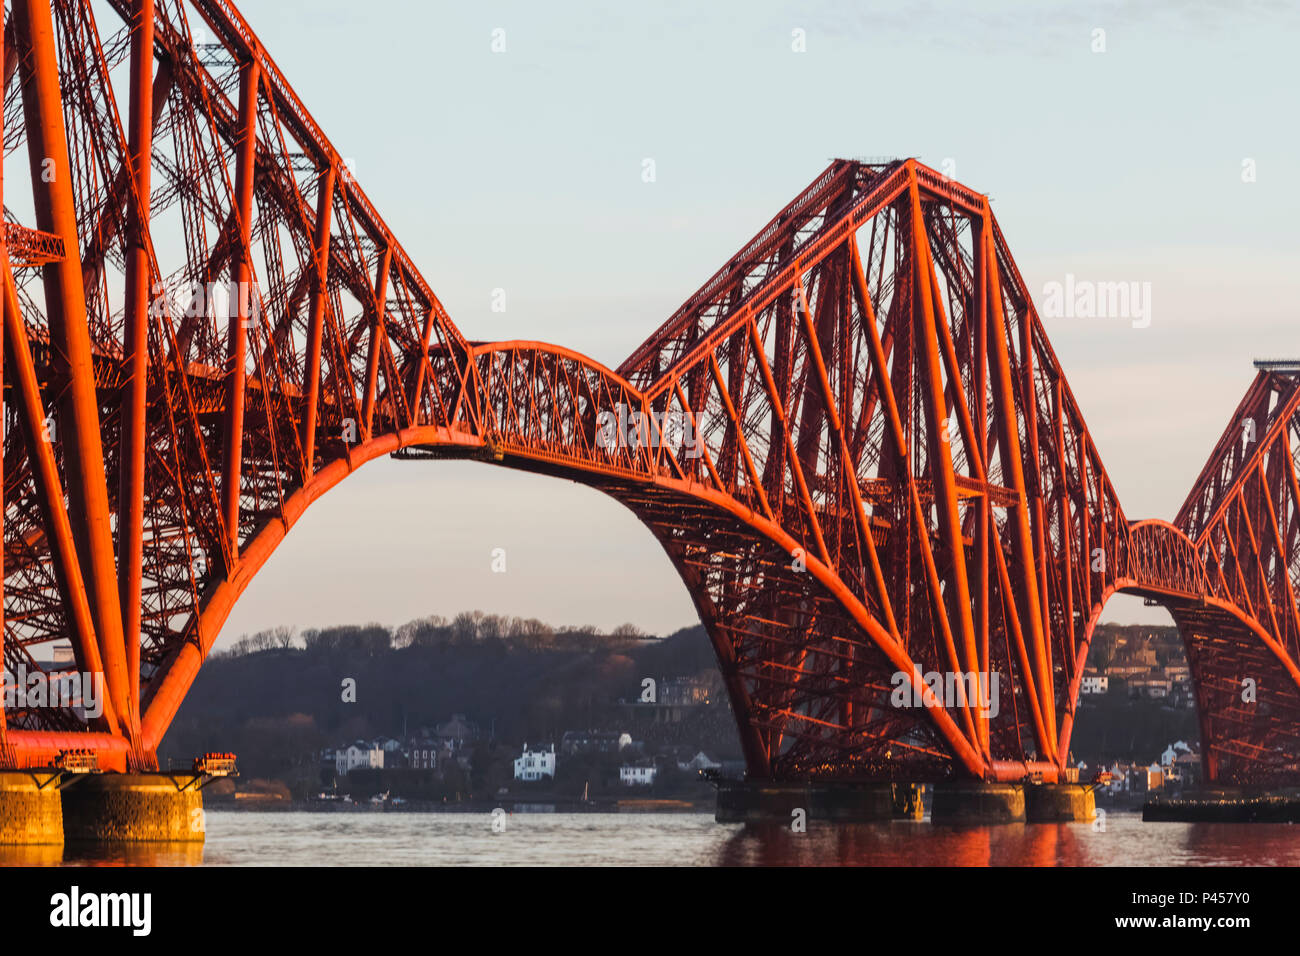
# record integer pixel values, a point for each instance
(891, 473)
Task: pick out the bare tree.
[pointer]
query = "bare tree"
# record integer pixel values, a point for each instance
(464, 626)
(491, 627)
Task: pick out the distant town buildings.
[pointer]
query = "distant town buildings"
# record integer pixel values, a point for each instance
(1145, 666)
(1173, 752)
(360, 755)
(1152, 688)
(457, 734)
(1187, 769)
(595, 742)
(701, 761)
(425, 753)
(533, 765)
(673, 699)
(683, 692)
(427, 749)
(1094, 684)
(1179, 766)
(639, 774)
(445, 757)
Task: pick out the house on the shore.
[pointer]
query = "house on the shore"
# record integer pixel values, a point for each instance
(701, 761)
(639, 774)
(533, 765)
(358, 756)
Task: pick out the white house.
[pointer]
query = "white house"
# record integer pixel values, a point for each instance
(1118, 778)
(1094, 685)
(358, 755)
(637, 775)
(1172, 753)
(535, 764)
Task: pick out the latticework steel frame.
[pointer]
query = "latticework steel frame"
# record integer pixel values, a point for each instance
(891, 474)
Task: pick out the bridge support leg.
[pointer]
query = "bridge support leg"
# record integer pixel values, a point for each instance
(977, 802)
(767, 802)
(31, 813)
(1059, 803)
(134, 807)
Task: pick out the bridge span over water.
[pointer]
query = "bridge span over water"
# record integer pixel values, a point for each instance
(854, 441)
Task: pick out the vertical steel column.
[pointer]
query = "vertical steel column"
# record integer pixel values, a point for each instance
(26, 399)
(1013, 473)
(377, 338)
(985, 527)
(237, 339)
(417, 389)
(316, 322)
(78, 425)
(135, 334)
(940, 450)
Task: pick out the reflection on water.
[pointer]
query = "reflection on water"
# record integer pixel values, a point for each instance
(660, 839)
(31, 855)
(134, 854)
(122, 854)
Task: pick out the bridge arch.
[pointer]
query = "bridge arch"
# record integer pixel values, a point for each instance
(1225, 645)
(653, 493)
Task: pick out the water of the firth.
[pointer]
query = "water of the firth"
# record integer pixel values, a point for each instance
(547, 839)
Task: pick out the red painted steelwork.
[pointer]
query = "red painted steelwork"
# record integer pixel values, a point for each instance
(854, 442)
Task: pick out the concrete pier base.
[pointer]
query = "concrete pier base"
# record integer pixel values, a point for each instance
(134, 807)
(767, 802)
(1059, 803)
(31, 813)
(977, 802)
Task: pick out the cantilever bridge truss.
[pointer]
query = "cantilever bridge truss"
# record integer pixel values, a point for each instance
(207, 325)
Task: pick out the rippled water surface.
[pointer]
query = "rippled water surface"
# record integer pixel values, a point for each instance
(661, 839)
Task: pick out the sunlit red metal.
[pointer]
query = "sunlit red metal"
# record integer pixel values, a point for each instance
(892, 476)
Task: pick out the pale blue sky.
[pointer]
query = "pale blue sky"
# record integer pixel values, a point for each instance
(522, 171)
